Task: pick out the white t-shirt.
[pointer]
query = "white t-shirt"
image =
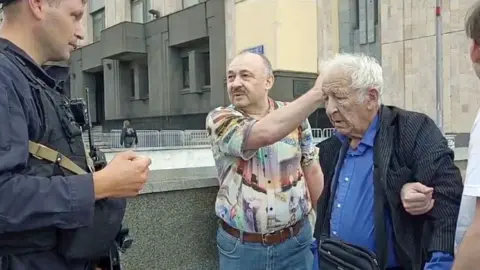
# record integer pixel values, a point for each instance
(472, 179)
(471, 189)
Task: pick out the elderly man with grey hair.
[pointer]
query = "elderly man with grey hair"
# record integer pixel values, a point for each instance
(376, 152)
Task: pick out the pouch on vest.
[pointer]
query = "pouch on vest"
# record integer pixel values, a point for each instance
(87, 243)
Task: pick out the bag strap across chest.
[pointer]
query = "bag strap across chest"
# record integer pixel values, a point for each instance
(41, 151)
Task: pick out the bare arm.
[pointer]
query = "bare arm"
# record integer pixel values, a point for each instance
(467, 256)
(469, 249)
(239, 135)
(314, 177)
(279, 123)
(310, 164)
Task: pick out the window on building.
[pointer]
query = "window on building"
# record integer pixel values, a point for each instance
(185, 72)
(98, 22)
(356, 14)
(143, 81)
(132, 82)
(206, 63)
(138, 11)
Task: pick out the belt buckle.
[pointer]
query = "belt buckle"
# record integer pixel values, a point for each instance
(265, 237)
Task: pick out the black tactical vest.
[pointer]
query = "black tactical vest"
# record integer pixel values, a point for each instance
(63, 134)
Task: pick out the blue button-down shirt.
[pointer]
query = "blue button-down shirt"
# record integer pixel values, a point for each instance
(352, 217)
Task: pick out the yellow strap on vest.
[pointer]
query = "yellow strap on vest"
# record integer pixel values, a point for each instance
(42, 152)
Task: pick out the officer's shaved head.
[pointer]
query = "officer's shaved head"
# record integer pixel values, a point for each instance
(48, 30)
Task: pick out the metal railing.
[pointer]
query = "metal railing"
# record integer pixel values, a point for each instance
(179, 138)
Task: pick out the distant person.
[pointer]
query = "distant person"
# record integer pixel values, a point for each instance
(129, 135)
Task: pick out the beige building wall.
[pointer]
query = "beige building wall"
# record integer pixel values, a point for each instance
(409, 61)
(116, 11)
(286, 28)
(327, 29)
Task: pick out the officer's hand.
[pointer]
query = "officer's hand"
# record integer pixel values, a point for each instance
(417, 198)
(123, 177)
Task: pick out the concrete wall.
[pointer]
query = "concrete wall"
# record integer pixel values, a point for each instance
(327, 28)
(173, 230)
(174, 224)
(408, 58)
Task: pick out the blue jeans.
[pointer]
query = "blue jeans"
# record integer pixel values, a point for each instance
(293, 254)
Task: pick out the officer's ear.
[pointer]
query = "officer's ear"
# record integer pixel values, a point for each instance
(39, 8)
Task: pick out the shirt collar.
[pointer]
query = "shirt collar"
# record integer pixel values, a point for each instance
(368, 138)
(272, 105)
(29, 63)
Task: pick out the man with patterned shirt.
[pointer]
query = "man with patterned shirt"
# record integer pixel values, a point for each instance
(268, 171)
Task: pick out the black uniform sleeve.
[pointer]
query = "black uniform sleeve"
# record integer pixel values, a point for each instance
(27, 201)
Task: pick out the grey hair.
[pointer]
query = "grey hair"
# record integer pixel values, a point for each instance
(364, 72)
(472, 22)
(266, 62)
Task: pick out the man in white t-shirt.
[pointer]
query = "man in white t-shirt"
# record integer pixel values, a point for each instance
(468, 225)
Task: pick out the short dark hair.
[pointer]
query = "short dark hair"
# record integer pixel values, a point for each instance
(472, 22)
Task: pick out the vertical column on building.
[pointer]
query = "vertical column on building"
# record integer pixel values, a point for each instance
(230, 30)
(362, 21)
(117, 11)
(216, 29)
(327, 27)
(113, 93)
(396, 58)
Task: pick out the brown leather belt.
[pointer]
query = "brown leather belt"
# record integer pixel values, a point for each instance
(272, 238)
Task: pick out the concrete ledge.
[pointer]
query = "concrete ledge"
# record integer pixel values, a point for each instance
(461, 153)
(204, 177)
(147, 149)
(181, 179)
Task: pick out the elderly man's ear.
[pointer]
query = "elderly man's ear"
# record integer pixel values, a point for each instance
(417, 199)
(373, 97)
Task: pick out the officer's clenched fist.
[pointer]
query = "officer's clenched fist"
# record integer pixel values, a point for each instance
(123, 177)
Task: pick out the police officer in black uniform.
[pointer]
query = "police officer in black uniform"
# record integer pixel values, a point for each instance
(55, 212)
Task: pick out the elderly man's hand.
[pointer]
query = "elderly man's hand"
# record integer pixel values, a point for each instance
(417, 198)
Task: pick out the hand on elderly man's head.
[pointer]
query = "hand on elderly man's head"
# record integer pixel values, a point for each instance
(318, 83)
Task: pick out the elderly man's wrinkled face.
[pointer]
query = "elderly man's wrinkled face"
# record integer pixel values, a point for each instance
(248, 81)
(348, 111)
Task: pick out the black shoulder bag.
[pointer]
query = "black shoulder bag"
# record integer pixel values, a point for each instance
(336, 254)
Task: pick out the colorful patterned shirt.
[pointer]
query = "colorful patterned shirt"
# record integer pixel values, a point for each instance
(261, 190)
